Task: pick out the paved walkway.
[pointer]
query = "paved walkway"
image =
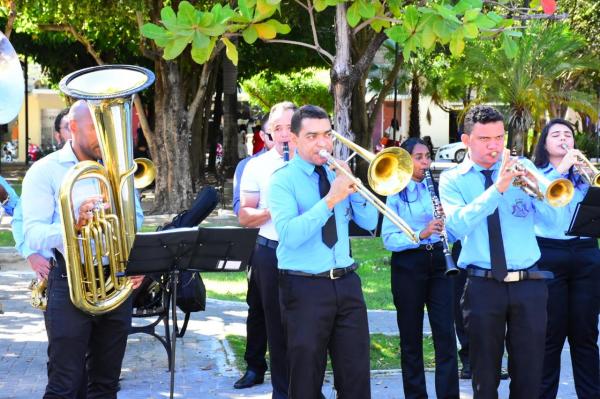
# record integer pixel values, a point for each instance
(205, 363)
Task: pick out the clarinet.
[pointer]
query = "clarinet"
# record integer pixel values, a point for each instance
(438, 213)
(286, 151)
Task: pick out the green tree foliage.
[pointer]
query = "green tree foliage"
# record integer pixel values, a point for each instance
(538, 79)
(303, 87)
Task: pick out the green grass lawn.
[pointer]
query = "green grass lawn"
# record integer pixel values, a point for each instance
(374, 271)
(385, 352)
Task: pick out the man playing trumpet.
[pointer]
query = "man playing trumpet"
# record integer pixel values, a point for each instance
(505, 295)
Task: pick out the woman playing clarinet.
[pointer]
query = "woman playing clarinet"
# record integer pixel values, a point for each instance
(419, 279)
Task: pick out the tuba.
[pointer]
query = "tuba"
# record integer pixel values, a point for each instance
(108, 237)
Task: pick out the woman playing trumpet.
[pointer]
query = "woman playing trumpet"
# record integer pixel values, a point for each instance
(418, 279)
(573, 294)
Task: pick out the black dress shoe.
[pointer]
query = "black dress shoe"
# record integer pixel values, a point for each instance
(249, 379)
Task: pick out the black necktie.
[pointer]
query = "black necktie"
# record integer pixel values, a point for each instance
(497, 256)
(328, 231)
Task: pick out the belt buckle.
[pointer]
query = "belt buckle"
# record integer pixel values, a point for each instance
(331, 275)
(512, 277)
(429, 247)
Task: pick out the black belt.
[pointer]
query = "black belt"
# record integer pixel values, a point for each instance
(429, 247)
(514, 276)
(265, 242)
(332, 274)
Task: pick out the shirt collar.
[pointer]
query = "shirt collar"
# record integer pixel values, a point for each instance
(414, 186)
(273, 152)
(304, 166)
(66, 154)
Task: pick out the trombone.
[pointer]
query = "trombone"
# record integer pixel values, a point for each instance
(587, 171)
(389, 172)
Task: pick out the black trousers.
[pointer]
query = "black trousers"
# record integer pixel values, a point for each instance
(264, 267)
(573, 306)
(322, 315)
(418, 280)
(82, 347)
(516, 311)
(256, 329)
(459, 287)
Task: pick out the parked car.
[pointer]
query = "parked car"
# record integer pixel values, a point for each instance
(454, 152)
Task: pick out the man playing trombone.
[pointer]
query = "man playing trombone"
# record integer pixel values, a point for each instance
(505, 295)
(322, 304)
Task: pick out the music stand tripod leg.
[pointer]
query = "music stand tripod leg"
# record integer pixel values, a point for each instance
(174, 278)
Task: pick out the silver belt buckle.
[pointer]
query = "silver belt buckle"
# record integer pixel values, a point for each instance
(512, 277)
(429, 247)
(331, 276)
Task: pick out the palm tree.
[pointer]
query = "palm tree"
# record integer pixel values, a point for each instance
(541, 78)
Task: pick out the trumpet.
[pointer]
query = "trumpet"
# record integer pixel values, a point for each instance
(587, 171)
(558, 193)
(389, 172)
(438, 213)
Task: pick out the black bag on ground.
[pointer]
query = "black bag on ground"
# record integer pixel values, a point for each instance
(191, 292)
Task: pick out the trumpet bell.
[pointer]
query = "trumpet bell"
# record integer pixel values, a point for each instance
(144, 174)
(390, 171)
(559, 192)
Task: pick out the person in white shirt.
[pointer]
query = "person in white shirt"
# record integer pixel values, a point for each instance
(254, 212)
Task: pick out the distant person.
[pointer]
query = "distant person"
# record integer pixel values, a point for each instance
(257, 141)
(256, 330)
(62, 133)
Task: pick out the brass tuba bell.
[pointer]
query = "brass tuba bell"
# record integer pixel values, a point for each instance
(108, 238)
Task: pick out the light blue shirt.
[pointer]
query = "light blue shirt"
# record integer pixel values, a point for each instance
(299, 213)
(557, 227)
(417, 212)
(17, 232)
(237, 177)
(13, 198)
(40, 200)
(467, 205)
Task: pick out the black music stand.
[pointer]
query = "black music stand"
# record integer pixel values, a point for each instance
(198, 249)
(587, 215)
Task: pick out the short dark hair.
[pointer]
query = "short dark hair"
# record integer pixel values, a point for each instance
(307, 112)
(540, 154)
(59, 118)
(483, 114)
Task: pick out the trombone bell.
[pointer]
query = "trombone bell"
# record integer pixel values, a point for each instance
(390, 170)
(144, 174)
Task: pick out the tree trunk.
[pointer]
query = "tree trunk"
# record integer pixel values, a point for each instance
(341, 85)
(172, 137)
(414, 124)
(230, 126)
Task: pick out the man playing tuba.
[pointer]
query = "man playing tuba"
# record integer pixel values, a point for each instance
(79, 344)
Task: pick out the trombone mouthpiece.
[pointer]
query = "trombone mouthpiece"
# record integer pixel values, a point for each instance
(324, 154)
(494, 153)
